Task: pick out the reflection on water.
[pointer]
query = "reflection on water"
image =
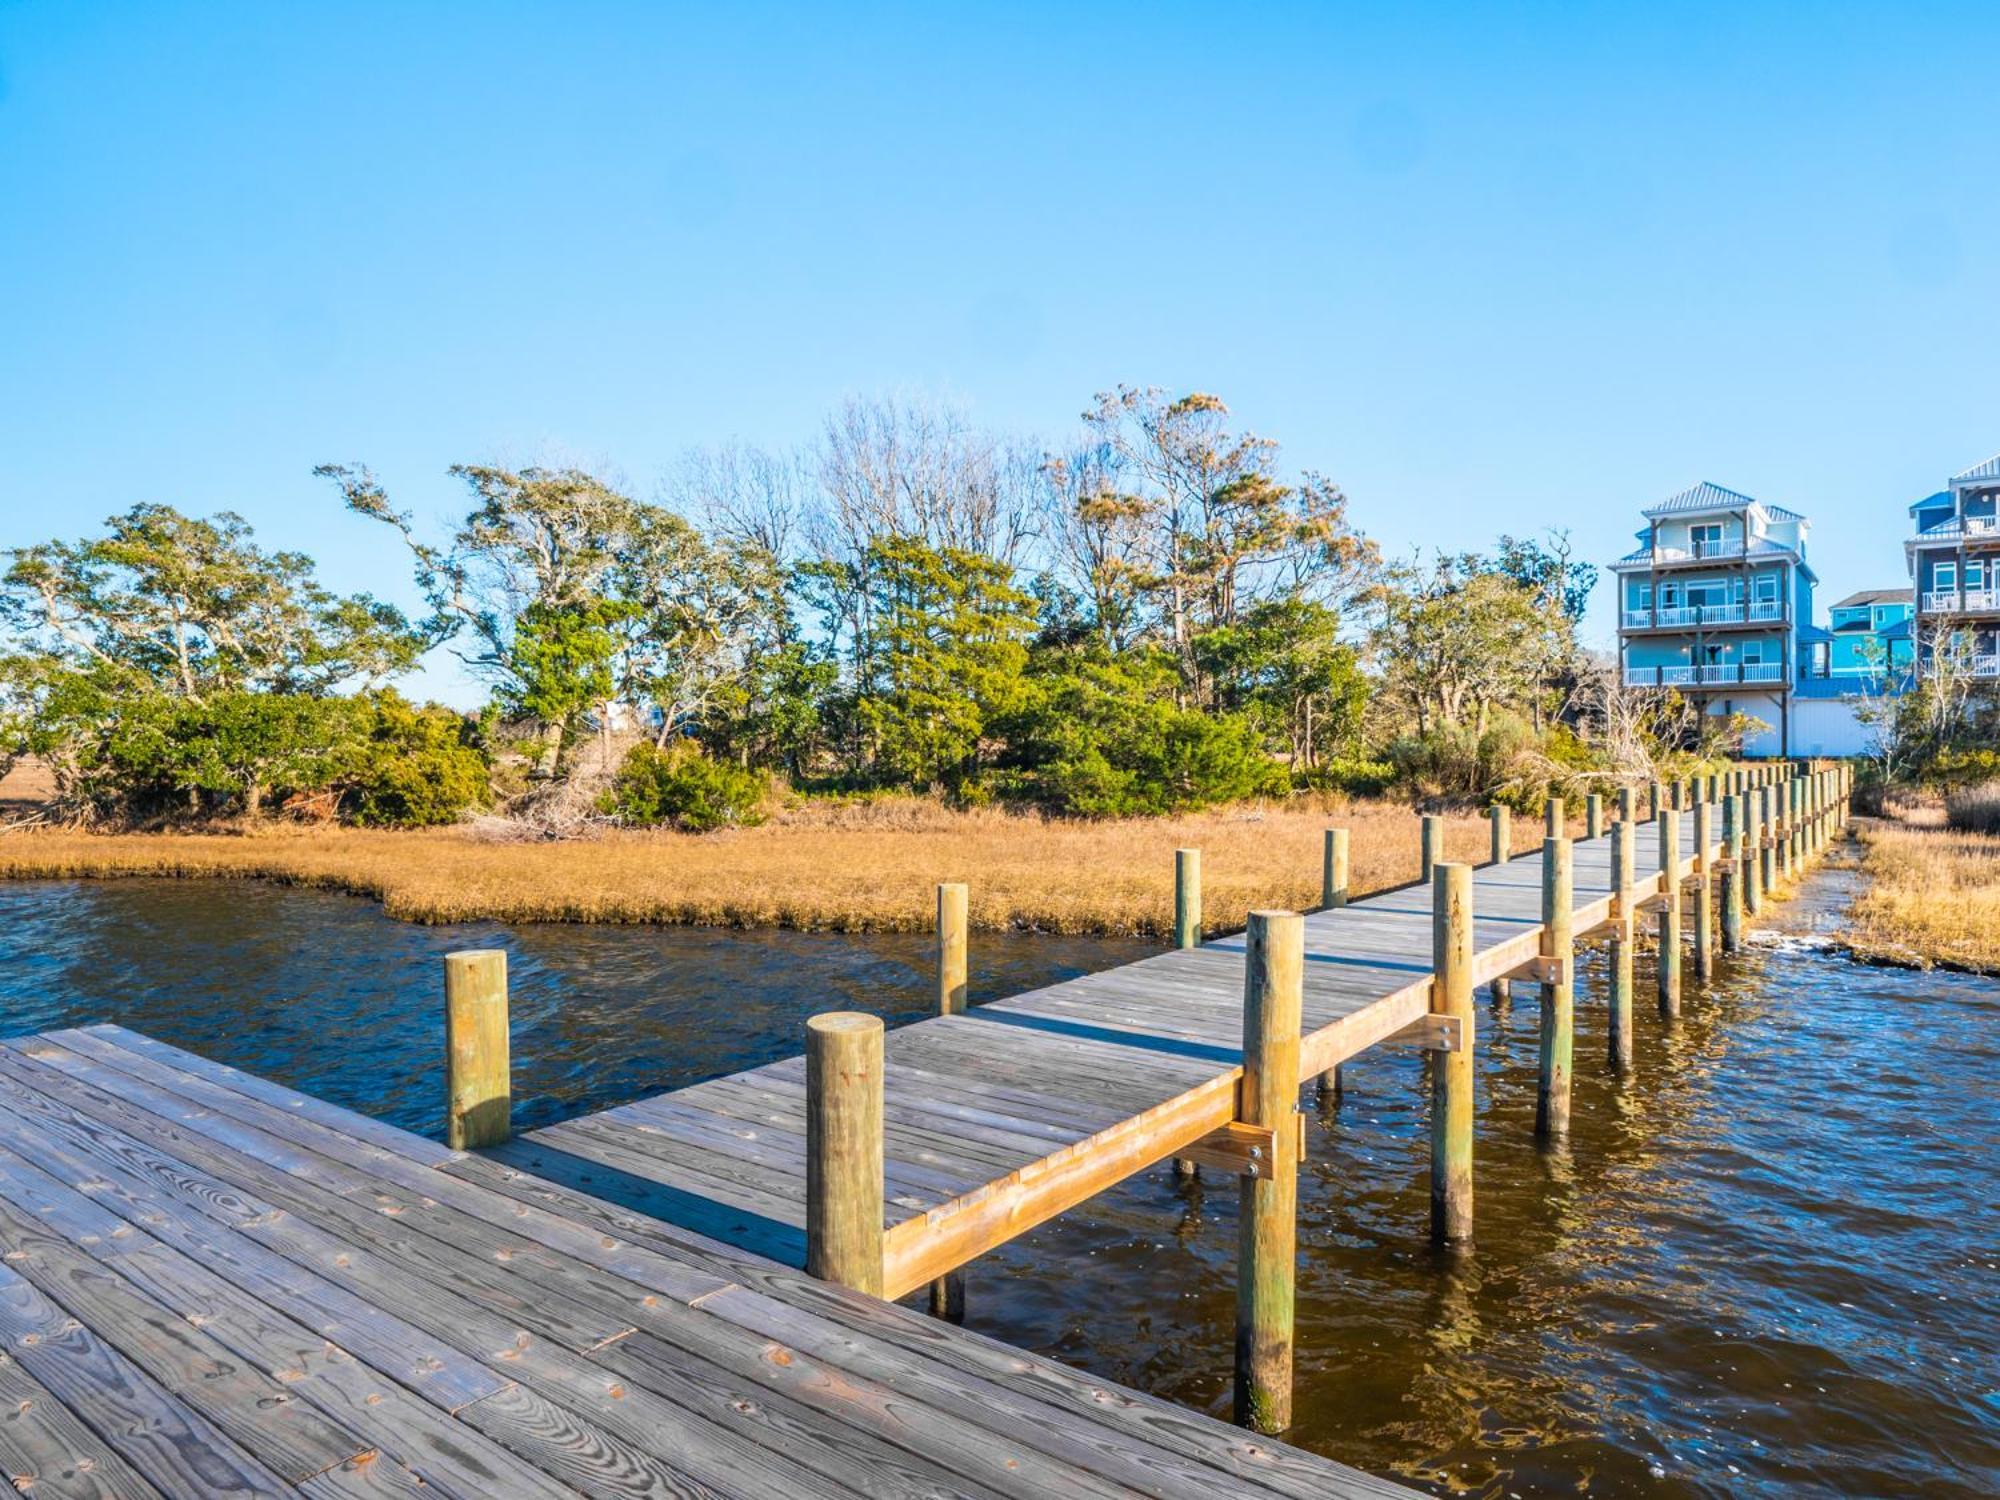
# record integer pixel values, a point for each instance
(1763, 1266)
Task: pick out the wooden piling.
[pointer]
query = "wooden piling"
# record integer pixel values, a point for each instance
(1502, 818)
(1732, 873)
(1451, 1072)
(1333, 869)
(1332, 893)
(1187, 898)
(1593, 816)
(1267, 1224)
(1704, 895)
(1750, 840)
(1656, 802)
(1670, 914)
(947, 1293)
(844, 1149)
(478, 1069)
(1767, 842)
(1626, 797)
(1620, 998)
(1558, 995)
(1555, 817)
(1431, 844)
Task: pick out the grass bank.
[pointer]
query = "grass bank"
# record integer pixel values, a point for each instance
(849, 869)
(1933, 897)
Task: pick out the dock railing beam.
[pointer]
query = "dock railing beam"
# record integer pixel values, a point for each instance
(1558, 993)
(1451, 1072)
(1621, 941)
(1267, 1224)
(478, 1067)
(844, 1149)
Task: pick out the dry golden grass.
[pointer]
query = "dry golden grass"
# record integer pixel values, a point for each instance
(854, 868)
(1933, 897)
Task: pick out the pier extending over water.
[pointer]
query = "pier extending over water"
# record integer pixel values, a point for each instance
(227, 1287)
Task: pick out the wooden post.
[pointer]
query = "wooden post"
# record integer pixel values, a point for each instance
(844, 1149)
(478, 1070)
(1333, 892)
(1555, 818)
(1558, 998)
(1187, 898)
(1732, 873)
(1767, 842)
(1267, 1224)
(1679, 798)
(1670, 914)
(1431, 844)
(1451, 1072)
(1656, 800)
(1704, 891)
(1751, 836)
(1626, 797)
(948, 1291)
(951, 922)
(1333, 869)
(1621, 946)
(1593, 816)
(1502, 989)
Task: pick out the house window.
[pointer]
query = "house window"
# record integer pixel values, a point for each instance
(1642, 596)
(1707, 536)
(1706, 595)
(1975, 574)
(1670, 596)
(1820, 662)
(1944, 576)
(1753, 652)
(1766, 588)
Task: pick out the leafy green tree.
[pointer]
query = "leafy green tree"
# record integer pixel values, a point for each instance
(418, 765)
(1284, 664)
(682, 786)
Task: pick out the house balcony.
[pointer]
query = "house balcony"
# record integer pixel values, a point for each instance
(1951, 602)
(1698, 552)
(1722, 674)
(1706, 616)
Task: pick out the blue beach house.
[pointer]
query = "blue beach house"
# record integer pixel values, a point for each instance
(1954, 563)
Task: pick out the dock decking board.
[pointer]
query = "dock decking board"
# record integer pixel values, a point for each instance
(1019, 1108)
(213, 1286)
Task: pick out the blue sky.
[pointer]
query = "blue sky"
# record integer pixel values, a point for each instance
(1492, 267)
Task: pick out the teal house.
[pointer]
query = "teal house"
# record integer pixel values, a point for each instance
(1870, 640)
(1954, 562)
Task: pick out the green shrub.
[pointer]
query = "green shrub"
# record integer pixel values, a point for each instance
(681, 786)
(1952, 770)
(1355, 776)
(418, 767)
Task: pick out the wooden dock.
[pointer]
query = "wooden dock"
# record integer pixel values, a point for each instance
(212, 1285)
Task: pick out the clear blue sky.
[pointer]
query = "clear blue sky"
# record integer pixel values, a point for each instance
(1493, 267)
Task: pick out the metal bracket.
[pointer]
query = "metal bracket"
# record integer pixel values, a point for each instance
(1542, 969)
(1239, 1148)
(1433, 1033)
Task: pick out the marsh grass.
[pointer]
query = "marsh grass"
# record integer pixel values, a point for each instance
(1933, 897)
(855, 867)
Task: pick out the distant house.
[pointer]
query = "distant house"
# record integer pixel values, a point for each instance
(1714, 604)
(1954, 563)
(1870, 639)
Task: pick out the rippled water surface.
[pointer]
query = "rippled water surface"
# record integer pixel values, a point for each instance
(1765, 1265)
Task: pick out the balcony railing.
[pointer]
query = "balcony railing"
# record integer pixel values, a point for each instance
(1982, 525)
(1950, 602)
(1685, 616)
(1986, 666)
(1708, 674)
(1699, 551)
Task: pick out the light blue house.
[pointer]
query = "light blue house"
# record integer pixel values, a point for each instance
(1870, 643)
(1954, 562)
(1717, 604)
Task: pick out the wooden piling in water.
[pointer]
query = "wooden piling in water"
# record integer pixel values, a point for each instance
(1767, 842)
(1267, 1224)
(1430, 845)
(1333, 869)
(1558, 993)
(1593, 815)
(1670, 915)
(1502, 818)
(947, 1293)
(1620, 997)
(1748, 838)
(1187, 898)
(478, 1067)
(1451, 1072)
(1704, 895)
(1333, 892)
(844, 1149)
(1732, 873)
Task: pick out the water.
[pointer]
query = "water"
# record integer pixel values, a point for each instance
(1765, 1266)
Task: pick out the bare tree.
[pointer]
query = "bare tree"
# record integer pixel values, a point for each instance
(744, 494)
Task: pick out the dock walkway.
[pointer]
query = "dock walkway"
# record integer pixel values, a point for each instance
(214, 1286)
(1003, 1116)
